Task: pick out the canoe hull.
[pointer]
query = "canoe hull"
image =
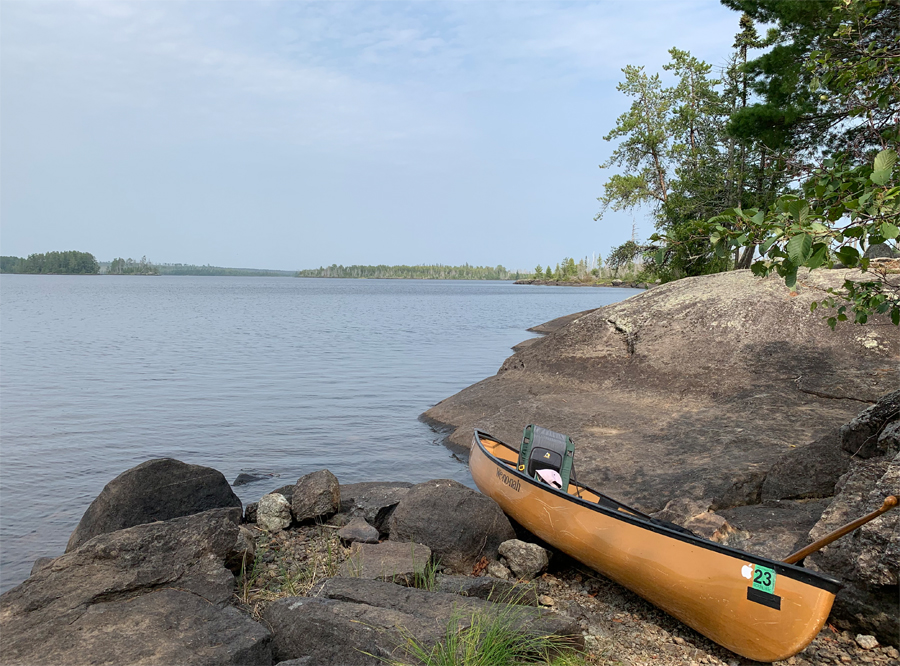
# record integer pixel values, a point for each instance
(705, 585)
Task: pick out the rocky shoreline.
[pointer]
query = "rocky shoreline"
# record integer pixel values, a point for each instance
(317, 573)
(167, 567)
(631, 284)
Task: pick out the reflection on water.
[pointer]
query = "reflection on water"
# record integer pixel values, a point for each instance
(276, 375)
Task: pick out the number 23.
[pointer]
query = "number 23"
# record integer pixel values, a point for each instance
(763, 578)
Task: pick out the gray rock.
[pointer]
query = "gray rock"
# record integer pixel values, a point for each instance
(488, 588)
(862, 436)
(356, 621)
(440, 606)
(881, 250)
(391, 561)
(373, 501)
(41, 563)
(250, 512)
(673, 393)
(243, 479)
(287, 491)
(773, 529)
(302, 661)
(165, 626)
(711, 526)
(681, 510)
(865, 560)
(525, 560)
(243, 553)
(153, 593)
(335, 633)
(808, 471)
(889, 439)
(559, 322)
(497, 570)
(316, 496)
(159, 489)
(866, 642)
(358, 530)
(459, 524)
(273, 513)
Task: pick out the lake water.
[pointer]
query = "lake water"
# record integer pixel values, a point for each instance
(273, 375)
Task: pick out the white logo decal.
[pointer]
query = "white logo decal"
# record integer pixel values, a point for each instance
(747, 571)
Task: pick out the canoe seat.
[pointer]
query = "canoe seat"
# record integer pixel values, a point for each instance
(544, 449)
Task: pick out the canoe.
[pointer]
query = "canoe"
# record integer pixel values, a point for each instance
(759, 608)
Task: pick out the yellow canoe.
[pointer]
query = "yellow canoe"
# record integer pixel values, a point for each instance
(756, 607)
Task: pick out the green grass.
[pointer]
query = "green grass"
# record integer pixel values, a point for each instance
(490, 639)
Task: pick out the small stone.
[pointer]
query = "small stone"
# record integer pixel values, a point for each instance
(497, 570)
(525, 560)
(892, 652)
(679, 640)
(358, 530)
(846, 658)
(273, 513)
(545, 600)
(866, 642)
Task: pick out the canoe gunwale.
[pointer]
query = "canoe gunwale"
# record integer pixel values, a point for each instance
(812, 578)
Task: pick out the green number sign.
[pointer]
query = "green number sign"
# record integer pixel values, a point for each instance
(763, 579)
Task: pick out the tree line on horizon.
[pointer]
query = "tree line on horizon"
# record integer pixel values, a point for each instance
(420, 272)
(782, 161)
(69, 262)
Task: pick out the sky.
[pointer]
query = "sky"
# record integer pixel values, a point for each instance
(289, 135)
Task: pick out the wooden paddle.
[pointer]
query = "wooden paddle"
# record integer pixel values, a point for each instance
(889, 503)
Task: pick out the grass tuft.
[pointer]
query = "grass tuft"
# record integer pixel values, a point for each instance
(489, 639)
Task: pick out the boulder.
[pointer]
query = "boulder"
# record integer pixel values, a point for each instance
(243, 553)
(353, 621)
(159, 489)
(287, 491)
(525, 560)
(773, 529)
(391, 561)
(273, 513)
(358, 530)
(243, 478)
(864, 436)
(250, 512)
(153, 593)
(316, 496)
(809, 471)
(693, 389)
(373, 501)
(488, 588)
(458, 524)
(865, 560)
(880, 251)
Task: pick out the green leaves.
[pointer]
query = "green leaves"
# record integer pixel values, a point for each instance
(885, 160)
(849, 256)
(889, 231)
(799, 248)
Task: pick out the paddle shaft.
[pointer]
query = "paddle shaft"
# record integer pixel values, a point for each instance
(889, 503)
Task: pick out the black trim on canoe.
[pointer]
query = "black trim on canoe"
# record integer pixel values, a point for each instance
(806, 576)
(764, 598)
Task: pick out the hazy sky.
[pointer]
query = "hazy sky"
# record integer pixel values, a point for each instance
(297, 134)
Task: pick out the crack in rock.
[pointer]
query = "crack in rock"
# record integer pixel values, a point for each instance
(629, 336)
